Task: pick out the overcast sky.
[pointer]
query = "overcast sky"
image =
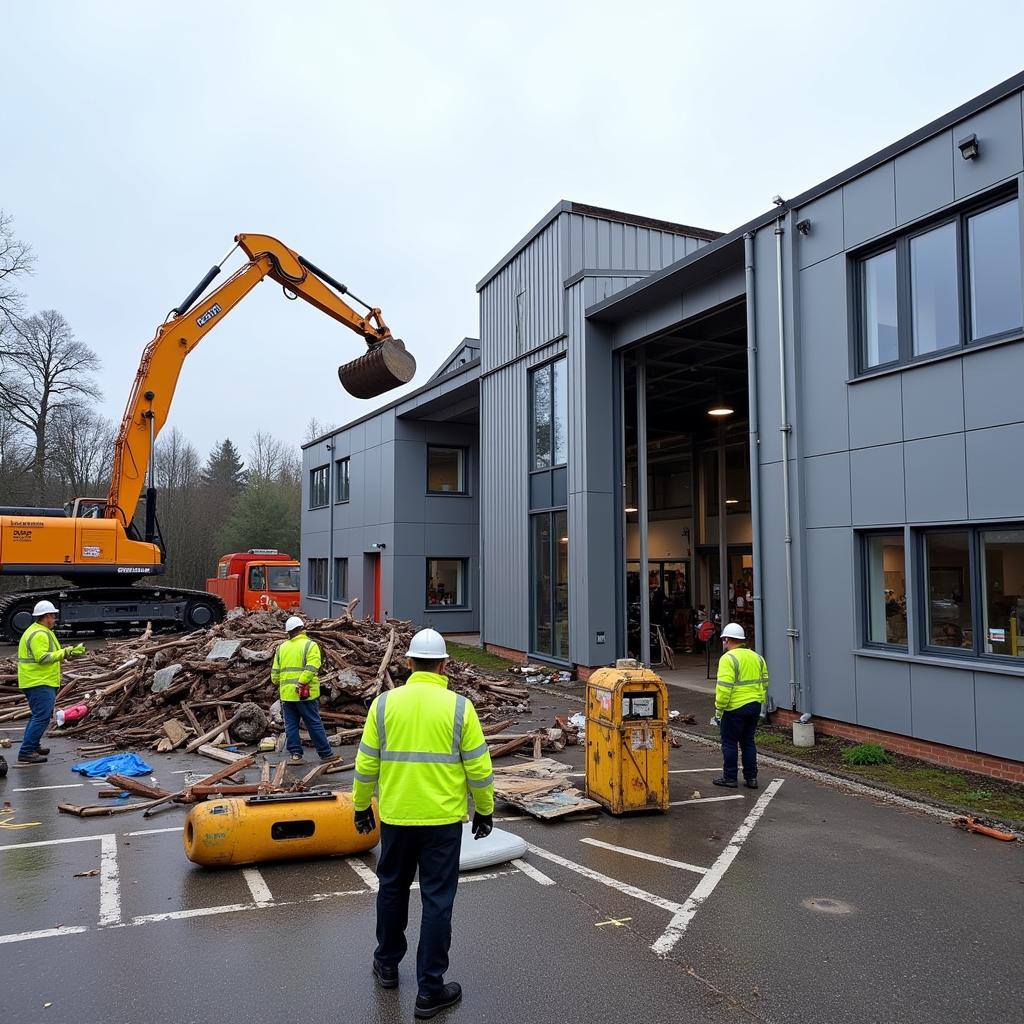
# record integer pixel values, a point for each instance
(404, 147)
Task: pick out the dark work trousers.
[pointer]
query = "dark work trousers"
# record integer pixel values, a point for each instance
(738, 728)
(40, 701)
(308, 711)
(434, 849)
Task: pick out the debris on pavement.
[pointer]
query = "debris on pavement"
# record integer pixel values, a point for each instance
(541, 788)
(969, 824)
(122, 764)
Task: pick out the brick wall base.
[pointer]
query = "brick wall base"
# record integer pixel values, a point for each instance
(924, 750)
(519, 657)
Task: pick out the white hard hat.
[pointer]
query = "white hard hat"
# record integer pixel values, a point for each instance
(734, 631)
(429, 645)
(44, 608)
(294, 622)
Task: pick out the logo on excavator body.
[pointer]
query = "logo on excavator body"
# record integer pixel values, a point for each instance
(22, 534)
(132, 568)
(208, 315)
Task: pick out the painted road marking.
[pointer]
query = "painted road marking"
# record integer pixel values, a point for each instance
(646, 856)
(110, 882)
(33, 789)
(52, 842)
(612, 883)
(261, 894)
(45, 933)
(531, 872)
(364, 872)
(706, 800)
(615, 922)
(706, 886)
(155, 831)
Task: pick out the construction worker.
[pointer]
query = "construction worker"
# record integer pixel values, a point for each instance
(39, 658)
(295, 670)
(422, 746)
(741, 689)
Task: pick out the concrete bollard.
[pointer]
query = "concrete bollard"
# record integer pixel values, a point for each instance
(803, 734)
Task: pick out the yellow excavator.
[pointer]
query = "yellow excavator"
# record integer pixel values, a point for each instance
(94, 543)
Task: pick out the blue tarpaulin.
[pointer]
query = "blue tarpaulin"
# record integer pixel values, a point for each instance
(119, 764)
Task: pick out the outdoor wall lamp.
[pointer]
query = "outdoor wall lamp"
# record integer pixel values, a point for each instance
(803, 226)
(378, 547)
(968, 147)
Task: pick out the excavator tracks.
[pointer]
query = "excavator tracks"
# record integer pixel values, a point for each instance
(105, 608)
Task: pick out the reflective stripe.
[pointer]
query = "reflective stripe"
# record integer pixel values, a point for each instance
(369, 751)
(306, 667)
(380, 720)
(735, 664)
(360, 777)
(415, 757)
(460, 713)
(480, 783)
(50, 647)
(468, 755)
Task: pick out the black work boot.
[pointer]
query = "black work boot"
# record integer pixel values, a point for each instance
(387, 977)
(32, 758)
(723, 781)
(750, 783)
(42, 750)
(430, 1006)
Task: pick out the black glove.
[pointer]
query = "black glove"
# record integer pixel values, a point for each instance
(365, 821)
(483, 824)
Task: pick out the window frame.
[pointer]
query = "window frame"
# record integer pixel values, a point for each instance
(313, 489)
(463, 491)
(865, 538)
(531, 374)
(900, 242)
(310, 576)
(338, 463)
(339, 593)
(466, 604)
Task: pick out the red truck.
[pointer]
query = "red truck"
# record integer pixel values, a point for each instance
(257, 579)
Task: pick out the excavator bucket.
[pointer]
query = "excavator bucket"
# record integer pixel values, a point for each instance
(385, 365)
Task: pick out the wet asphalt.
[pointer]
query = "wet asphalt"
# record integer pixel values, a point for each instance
(836, 908)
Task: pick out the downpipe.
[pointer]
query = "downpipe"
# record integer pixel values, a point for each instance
(755, 434)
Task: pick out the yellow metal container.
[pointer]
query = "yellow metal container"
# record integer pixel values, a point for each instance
(249, 830)
(627, 739)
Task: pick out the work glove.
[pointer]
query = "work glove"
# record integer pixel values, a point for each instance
(365, 821)
(716, 721)
(483, 825)
(77, 650)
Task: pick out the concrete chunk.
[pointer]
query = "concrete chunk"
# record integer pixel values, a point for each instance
(224, 650)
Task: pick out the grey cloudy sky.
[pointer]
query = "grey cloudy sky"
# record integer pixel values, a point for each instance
(404, 147)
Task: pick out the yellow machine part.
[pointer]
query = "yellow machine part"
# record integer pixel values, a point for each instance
(627, 740)
(240, 830)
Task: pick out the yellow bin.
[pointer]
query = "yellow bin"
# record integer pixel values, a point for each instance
(279, 826)
(627, 739)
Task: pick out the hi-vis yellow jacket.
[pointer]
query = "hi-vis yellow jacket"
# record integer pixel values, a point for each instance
(742, 679)
(423, 746)
(39, 657)
(297, 661)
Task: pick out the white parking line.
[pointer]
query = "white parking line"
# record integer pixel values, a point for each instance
(155, 831)
(261, 894)
(705, 800)
(33, 789)
(646, 856)
(52, 842)
(45, 933)
(364, 872)
(110, 882)
(531, 872)
(706, 886)
(612, 883)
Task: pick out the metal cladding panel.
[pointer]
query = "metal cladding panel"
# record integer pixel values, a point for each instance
(410, 481)
(936, 478)
(592, 578)
(827, 490)
(933, 399)
(994, 490)
(503, 504)
(766, 312)
(825, 237)
(594, 243)
(1000, 147)
(521, 306)
(943, 704)
(831, 623)
(876, 481)
(992, 386)
(876, 411)
(824, 358)
(869, 205)
(924, 178)
(883, 695)
(773, 586)
(1000, 710)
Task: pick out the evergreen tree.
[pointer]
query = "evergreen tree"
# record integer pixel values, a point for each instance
(265, 516)
(224, 469)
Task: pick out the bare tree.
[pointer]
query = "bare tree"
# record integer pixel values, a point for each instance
(179, 478)
(317, 428)
(81, 447)
(43, 368)
(268, 457)
(16, 260)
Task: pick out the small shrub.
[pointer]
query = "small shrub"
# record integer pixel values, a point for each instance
(978, 794)
(865, 753)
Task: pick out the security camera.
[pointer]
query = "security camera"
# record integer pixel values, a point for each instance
(778, 201)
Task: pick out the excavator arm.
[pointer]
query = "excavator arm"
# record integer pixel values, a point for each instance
(385, 365)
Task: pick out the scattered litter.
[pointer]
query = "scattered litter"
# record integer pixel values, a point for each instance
(116, 764)
(542, 789)
(969, 824)
(578, 721)
(88, 874)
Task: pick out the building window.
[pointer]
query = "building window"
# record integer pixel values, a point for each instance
(316, 577)
(549, 557)
(340, 589)
(446, 470)
(947, 573)
(549, 415)
(886, 576)
(446, 583)
(341, 481)
(1002, 592)
(940, 288)
(319, 486)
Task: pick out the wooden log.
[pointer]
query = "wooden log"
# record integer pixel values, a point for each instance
(213, 733)
(508, 748)
(229, 756)
(136, 787)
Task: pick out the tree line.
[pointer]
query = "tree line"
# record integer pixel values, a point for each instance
(54, 446)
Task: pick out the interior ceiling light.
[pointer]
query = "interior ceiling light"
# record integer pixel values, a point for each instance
(565, 540)
(721, 408)
(732, 501)
(631, 509)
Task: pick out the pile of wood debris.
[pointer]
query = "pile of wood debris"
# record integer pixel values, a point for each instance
(183, 691)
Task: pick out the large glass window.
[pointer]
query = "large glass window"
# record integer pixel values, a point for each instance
(549, 544)
(446, 583)
(549, 415)
(319, 486)
(947, 572)
(881, 337)
(341, 481)
(993, 238)
(1002, 592)
(340, 592)
(886, 589)
(935, 316)
(283, 578)
(316, 577)
(446, 470)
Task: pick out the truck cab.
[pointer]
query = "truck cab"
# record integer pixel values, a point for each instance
(257, 579)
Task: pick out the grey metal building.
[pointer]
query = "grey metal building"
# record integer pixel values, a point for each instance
(807, 424)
